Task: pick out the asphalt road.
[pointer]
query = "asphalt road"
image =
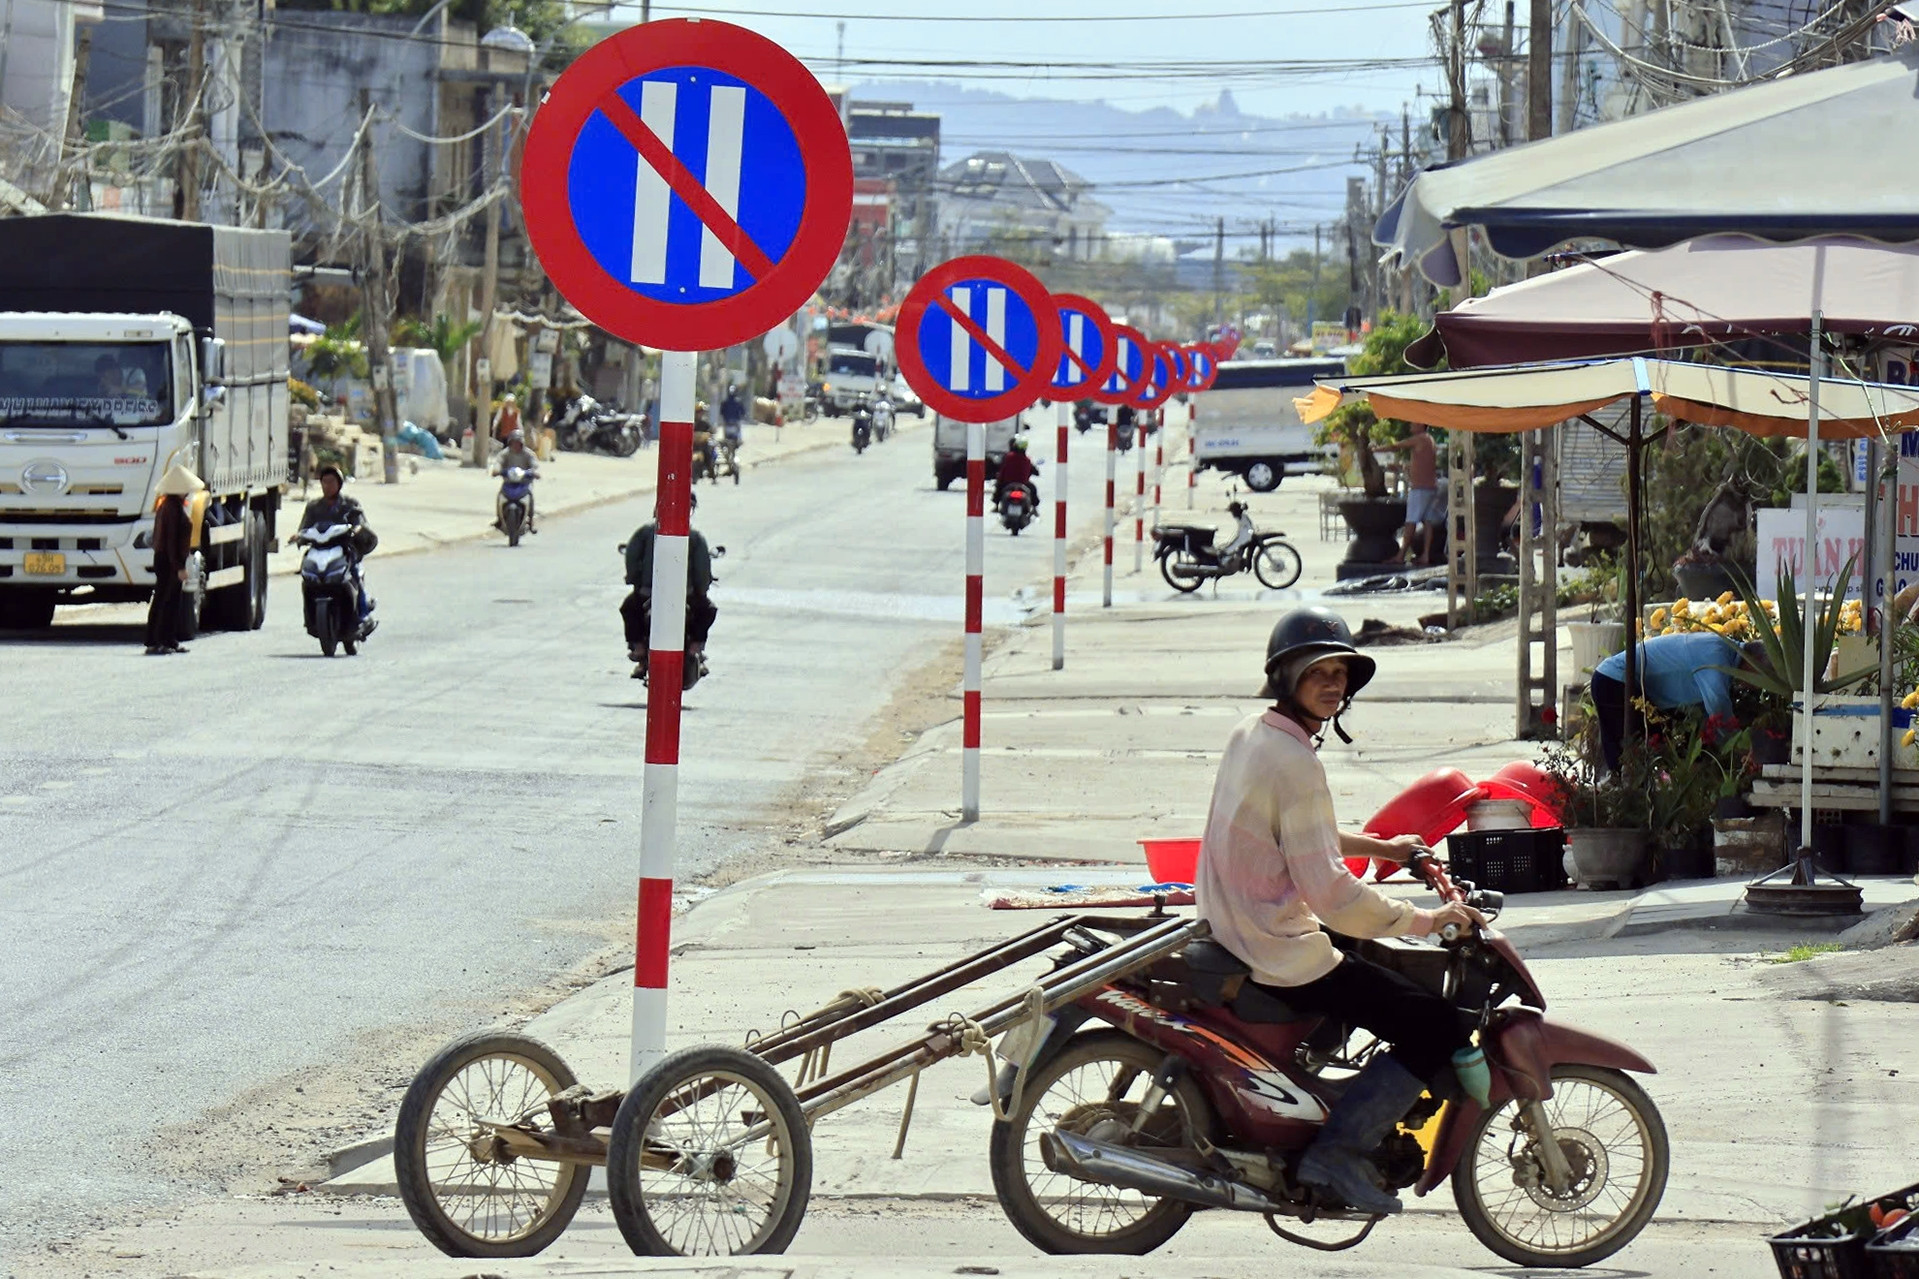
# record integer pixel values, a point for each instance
(222, 867)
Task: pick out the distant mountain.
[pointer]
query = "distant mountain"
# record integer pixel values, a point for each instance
(1129, 155)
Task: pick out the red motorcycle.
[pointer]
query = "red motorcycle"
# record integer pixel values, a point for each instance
(1202, 1090)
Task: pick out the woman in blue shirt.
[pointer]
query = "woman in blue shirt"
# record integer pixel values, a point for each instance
(1676, 672)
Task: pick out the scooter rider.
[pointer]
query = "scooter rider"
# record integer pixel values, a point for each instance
(1017, 467)
(636, 609)
(334, 507)
(517, 454)
(1270, 874)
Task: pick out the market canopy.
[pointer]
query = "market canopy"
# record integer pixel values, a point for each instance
(1719, 288)
(1528, 397)
(1784, 160)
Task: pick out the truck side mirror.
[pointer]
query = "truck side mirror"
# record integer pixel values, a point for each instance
(213, 361)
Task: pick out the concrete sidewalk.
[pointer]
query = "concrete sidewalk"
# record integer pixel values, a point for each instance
(443, 503)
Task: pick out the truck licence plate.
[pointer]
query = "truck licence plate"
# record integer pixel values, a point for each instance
(45, 562)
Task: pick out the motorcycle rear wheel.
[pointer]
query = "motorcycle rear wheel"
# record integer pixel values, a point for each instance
(1184, 583)
(1276, 564)
(626, 444)
(1604, 1120)
(1093, 1088)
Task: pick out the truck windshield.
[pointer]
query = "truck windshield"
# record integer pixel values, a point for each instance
(85, 383)
(851, 365)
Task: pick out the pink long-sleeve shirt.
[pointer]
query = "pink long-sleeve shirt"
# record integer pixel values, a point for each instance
(1269, 866)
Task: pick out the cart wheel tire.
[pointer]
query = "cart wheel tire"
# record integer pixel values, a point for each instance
(1485, 1163)
(431, 1145)
(1277, 565)
(1184, 583)
(698, 1159)
(1016, 1162)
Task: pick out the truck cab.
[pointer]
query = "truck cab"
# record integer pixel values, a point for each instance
(853, 375)
(949, 448)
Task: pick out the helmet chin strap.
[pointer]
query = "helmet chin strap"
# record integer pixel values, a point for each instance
(1314, 724)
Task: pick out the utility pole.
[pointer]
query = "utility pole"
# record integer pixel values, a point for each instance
(186, 166)
(489, 291)
(1569, 85)
(1506, 81)
(1458, 123)
(71, 136)
(1219, 273)
(374, 294)
(1539, 72)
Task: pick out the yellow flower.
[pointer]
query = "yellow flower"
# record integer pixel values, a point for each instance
(1682, 605)
(1659, 616)
(1912, 736)
(1725, 598)
(1911, 701)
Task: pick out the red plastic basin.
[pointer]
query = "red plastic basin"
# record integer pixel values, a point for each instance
(1171, 861)
(1432, 807)
(1525, 780)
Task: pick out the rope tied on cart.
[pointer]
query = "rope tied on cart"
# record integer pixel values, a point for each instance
(853, 998)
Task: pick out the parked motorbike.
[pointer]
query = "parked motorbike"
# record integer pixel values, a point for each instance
(862, 427)
(1018, 506)
(1202, 1090)
(587, 426)
(330, 588)
(516, 502)
(1187, 556)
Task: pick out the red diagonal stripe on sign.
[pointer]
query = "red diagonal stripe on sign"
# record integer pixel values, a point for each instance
(972, 330)
(686, 186)
(1085, 369)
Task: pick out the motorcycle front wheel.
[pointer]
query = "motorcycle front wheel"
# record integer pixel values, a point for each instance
(1615, 1142)
(1185, 582)
(1277, 565)
(1095, 1088)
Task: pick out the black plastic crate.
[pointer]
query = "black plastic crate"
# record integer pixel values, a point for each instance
(1509, 861)
(1834, 1246)
(1894, 1253)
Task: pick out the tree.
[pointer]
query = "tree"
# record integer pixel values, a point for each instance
(1286, 285)
(1355, 424)
(445, 335)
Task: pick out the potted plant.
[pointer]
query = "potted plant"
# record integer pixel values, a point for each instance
(1373, 517)
(1690, 777)
(1608, 815)
(1603, 633)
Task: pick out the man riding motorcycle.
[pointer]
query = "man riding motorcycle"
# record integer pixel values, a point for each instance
(1270, 871)
(334, 507)
(1017, 467)
(637, 609)
(516, 454)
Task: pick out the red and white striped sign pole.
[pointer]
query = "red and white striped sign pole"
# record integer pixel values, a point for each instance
(1139, 496)
(1159, 466)
(1112, 474)
(975, 592)
(1059, 535)
(1192, 456)
(665, 664)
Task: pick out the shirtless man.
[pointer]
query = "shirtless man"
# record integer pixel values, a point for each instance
(1424, 510)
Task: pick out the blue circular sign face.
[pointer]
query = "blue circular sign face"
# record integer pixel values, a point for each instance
(978, 338)
(1089, 347)
(730, 140)
(1131, 364)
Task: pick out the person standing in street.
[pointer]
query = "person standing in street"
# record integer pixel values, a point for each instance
(1423, 508)
(172, 544)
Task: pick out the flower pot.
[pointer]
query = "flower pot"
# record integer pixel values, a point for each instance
(1594, 642)
(1770, 747)
(1607, 857)
(1731, 807)
(1707, 580)
(1375, 524)
(1872, 849)
(1909, 860)
(1693, 862)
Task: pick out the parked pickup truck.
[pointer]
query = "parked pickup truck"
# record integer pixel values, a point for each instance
(128, 345)
(1246, 424)
(949, 448)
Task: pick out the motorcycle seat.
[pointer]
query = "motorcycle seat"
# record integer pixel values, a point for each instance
(1260, 1006)
(1218, 979)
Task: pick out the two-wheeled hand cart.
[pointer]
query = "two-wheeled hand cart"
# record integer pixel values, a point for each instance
(711, 1151)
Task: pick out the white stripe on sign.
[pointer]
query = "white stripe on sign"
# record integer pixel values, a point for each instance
(995, 329)
(1076, 343)
(652, 197)
(726, 125)
(962, 351)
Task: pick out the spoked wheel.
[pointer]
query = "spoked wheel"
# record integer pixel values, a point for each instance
(1615, 1142)
(1277, 565)
(710, 1156)
(1094, 1089)
(1184, 582)
(463, 1186)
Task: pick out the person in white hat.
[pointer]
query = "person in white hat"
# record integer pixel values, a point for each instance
(172, 543)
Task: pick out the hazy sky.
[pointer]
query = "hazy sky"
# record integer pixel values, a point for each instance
(1152, 54)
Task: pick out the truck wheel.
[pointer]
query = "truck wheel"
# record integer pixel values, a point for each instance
(257, 573)
(192, 611)
(243, 606)
(26, 610)
(1262, 477)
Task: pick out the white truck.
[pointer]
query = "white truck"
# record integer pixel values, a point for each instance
(949, 448)
(852, 376)
(1246, 423)
(128, 345)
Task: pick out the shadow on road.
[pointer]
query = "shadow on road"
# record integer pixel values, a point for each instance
(82, 633)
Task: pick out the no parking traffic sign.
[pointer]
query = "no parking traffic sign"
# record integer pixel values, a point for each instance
(1089, 349)
(1205, 367)
(979, 339)
(1160, 380)
(1182, 363)
(1129, 366)
(687, 184)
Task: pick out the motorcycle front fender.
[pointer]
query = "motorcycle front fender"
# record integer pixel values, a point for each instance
(1525, 1046)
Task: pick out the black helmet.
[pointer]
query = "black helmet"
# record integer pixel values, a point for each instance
(1309, 633)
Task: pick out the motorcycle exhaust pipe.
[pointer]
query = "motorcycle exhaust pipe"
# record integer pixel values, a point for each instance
(1109, 1165)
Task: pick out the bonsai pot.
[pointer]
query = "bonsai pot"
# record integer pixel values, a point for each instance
(1607, 856)
(1694, 861)
(1594, 642)
(1872, 849)
(1491, 501)
(1770, 746)
(1375, 523)
(1704, 580)
(1747, 846)
(1732, 807)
